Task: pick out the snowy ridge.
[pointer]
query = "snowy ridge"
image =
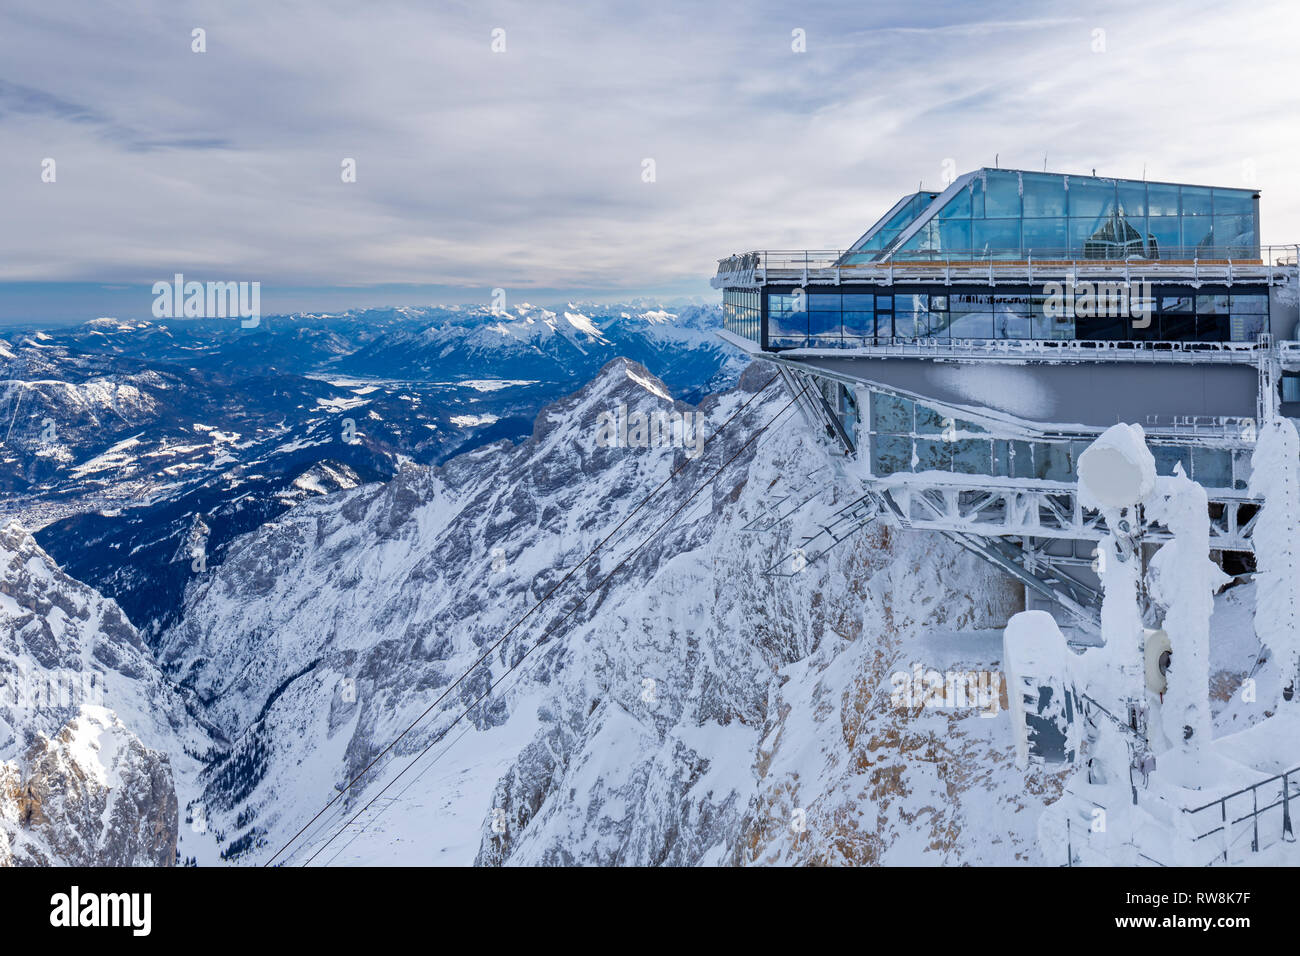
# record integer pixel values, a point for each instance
(335, 627)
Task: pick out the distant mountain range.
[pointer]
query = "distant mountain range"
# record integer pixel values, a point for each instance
(137, 450)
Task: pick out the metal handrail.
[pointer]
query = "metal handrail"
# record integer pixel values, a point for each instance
(801, 260)
(1284, 801)
(1126, 350)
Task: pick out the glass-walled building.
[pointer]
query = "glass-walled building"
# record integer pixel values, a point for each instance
(972, 343)
(1011, 214)
(1016, 255)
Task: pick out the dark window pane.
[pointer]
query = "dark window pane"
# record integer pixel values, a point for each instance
(1101, 328)
(1212, 328)
(1053, 462)
(1002, 459)
(1145, 328)
(1177, 327)
(1022, 460)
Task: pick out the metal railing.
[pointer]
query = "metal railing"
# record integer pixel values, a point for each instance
(787, 262)
(1217, 427)
(1232, 353)
(1280, 798)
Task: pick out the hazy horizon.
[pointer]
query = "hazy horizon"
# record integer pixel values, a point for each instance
(509, 148)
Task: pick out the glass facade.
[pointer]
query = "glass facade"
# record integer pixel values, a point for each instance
(883, 234)
(742, 313)
(819, 318)
(907, 436)
(1009, 214)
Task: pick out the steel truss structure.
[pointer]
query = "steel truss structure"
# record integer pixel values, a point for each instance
(1018, 526)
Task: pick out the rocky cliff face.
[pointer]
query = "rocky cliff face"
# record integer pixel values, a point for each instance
(90, 729)
(91, 795)
(679, 713)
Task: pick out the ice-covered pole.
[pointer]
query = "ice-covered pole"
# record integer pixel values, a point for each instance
(1277, 580)
(1186, 580)
(1116, 473)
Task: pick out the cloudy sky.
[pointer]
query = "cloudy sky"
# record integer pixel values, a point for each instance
(523, 169)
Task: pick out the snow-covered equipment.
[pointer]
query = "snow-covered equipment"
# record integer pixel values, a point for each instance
(1157, 653)
(1277, 609)
(1041, 698)
(1184, 580)
(1117, 470)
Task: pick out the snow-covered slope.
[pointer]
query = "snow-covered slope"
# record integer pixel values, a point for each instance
(680, 715)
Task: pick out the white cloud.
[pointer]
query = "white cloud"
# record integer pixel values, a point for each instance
(524, 169)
